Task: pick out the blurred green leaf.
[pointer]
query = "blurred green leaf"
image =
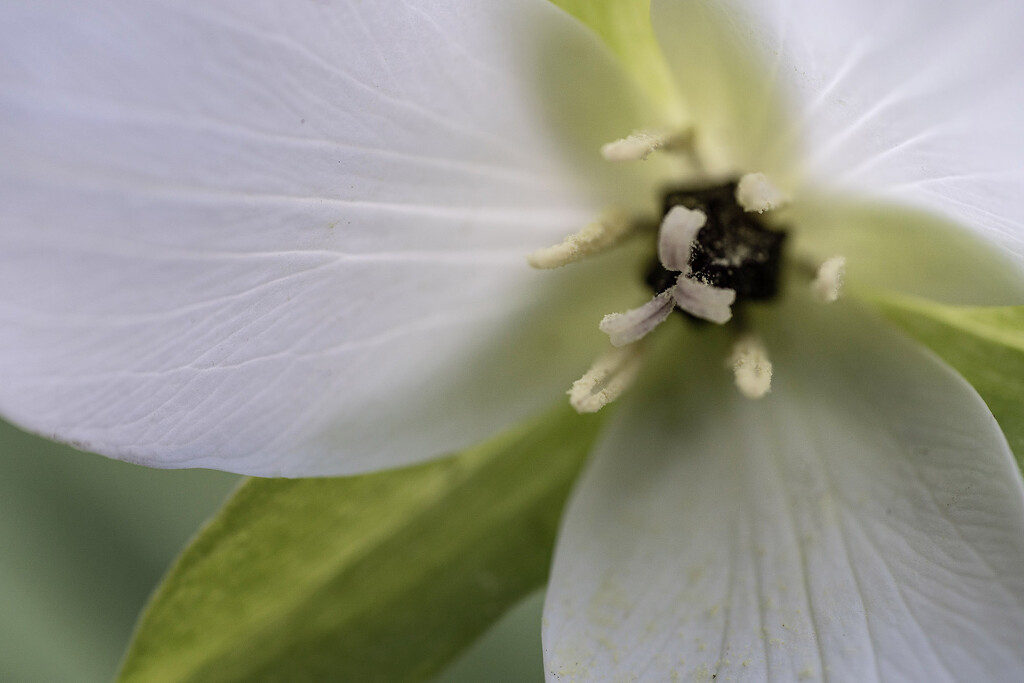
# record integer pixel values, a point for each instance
(984, 344)
(381, 577)
(84, 541)
(510, 651)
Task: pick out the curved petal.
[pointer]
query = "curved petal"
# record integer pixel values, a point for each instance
(905, 99)
(276, 238)
(863, 522)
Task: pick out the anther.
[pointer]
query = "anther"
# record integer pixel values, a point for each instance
(755, 192)
(829, 281)
(635, 147)
(607, 378)
(751, 367)
(640, 144)
(607, 231)
(625, 328)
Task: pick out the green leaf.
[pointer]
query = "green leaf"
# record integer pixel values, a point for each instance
(625, 27)
(381, 577)
(984, 344)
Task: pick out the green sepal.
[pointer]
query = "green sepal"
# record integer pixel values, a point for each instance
(380, 577)
(902, 249)
(984, 344)
(625, 27)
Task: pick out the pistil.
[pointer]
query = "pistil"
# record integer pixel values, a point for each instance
(735, 249)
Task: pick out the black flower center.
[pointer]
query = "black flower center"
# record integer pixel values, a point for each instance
(734, 250)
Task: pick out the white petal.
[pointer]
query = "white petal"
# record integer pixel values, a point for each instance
(863, 522)
(283, 239)
(915, 101)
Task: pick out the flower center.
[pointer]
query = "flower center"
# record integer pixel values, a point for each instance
(733, 250)
(713, 252)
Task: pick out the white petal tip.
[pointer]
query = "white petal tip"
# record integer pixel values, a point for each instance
(756, 193)
(751, 368)
(828, 283)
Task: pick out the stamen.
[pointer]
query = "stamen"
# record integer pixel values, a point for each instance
(756, 193)
(678, 231)
(611, 228)
(607, 378)
(703, 300)
(638, 145)
(625, 328)
(751, 367)
(829, 281)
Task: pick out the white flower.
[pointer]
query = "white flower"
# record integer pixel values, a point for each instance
(290, 239)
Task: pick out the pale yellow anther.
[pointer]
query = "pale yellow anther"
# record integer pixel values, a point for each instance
(751, 367)
(635, 147)
(611, 228)
(607, 378)
(756, 193)
(828, 284)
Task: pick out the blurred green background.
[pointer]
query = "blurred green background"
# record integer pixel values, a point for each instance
(84, 540)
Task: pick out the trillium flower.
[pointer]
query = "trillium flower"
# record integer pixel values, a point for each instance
(291, 240)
